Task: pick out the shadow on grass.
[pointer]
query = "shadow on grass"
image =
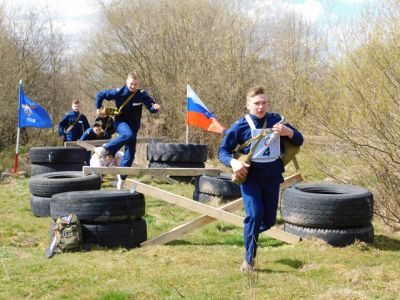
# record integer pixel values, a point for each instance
(270, 271)
(294, 263)
(385, 243)
(206, 243)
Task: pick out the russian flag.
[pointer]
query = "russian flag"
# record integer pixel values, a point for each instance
(199, 115)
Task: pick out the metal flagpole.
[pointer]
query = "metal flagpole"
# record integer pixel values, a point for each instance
(18, 134)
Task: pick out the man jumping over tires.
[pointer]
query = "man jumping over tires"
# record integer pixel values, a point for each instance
(128, 100)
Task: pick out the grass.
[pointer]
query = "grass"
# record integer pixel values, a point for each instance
(201, 265)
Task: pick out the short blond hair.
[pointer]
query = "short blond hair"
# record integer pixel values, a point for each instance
(254, 91)
(133, 75)
(75, 102)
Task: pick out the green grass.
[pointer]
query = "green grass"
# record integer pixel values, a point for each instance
(201, 265)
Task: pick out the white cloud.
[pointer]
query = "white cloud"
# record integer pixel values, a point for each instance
(311, 10)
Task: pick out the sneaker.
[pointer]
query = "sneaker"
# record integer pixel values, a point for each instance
(247, 267)
(100, 151)
(120, 183)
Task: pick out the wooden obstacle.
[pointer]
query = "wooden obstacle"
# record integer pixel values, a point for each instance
(97, 143)
(209, 213)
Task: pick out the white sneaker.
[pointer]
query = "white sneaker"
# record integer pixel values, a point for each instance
(100, 151)
(120, 182)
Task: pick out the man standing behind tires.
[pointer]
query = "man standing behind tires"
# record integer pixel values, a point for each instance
(73, 124)
(128, 100)
(261, 179)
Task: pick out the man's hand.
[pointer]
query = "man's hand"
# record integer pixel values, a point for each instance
(240, 168)
(283, 130)
(62, 138)
(155, 106)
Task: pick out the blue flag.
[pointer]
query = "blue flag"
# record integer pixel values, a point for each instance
(32, 114)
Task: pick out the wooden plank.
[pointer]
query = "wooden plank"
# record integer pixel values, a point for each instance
(86, 145)
(139, 171)
(291, 180)
(140, 140)
(181, 230)
(235, 205)
(186, 203)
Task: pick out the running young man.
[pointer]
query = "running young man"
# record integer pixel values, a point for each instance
(129, 100)
(260, 191)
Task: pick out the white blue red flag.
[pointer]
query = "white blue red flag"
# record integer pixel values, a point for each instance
(31, 114)
(199, 115)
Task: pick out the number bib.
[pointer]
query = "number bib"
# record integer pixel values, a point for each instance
(269, 148)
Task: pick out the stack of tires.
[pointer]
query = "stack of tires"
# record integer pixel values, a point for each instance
(54, 159)
(336, 213)
(109, 218)
(44, 186)
(174, 155)
(219, 188)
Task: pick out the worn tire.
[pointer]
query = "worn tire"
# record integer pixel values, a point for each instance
(221, 186)
(40, 168)
(40, 206)
(174, 152)
(59, 155)
(334, 237)
(48, 184)
(98, 206)
(168, 164)
(128, 234)
(326, 205)
(207, 198)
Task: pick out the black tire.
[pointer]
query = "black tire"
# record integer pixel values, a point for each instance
(98, 206)
(221, 186)
(173, 152)
(118, 234)
(334, 237)
(41, 168)
(40, 206)
(324, 205)
(48, 184)
(206, 198)
(168, 164)
(60, 155)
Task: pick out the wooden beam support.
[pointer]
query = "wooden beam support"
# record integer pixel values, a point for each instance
(186, 203)
(96, 143)
(235, 205)
(138, 171)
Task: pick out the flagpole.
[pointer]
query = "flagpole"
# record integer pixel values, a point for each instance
(18, 134)
(187, 134)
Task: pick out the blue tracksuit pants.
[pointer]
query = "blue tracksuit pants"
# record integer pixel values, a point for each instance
(126, 136)
(260, 201)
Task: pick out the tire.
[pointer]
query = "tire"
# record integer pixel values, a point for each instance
(221, 186)
(118, 234)
(330, 206)
(98, 206)
(168, 164)
(173, 152)
(207, 198)
(334, 237)
(48, 184)
(60, 155)
(128, 234)
(40, 206)
(40, 168)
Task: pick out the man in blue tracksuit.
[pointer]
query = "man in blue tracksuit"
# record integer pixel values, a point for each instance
(73, 124)
(129, 100)
(95, 132)
(260, 191)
